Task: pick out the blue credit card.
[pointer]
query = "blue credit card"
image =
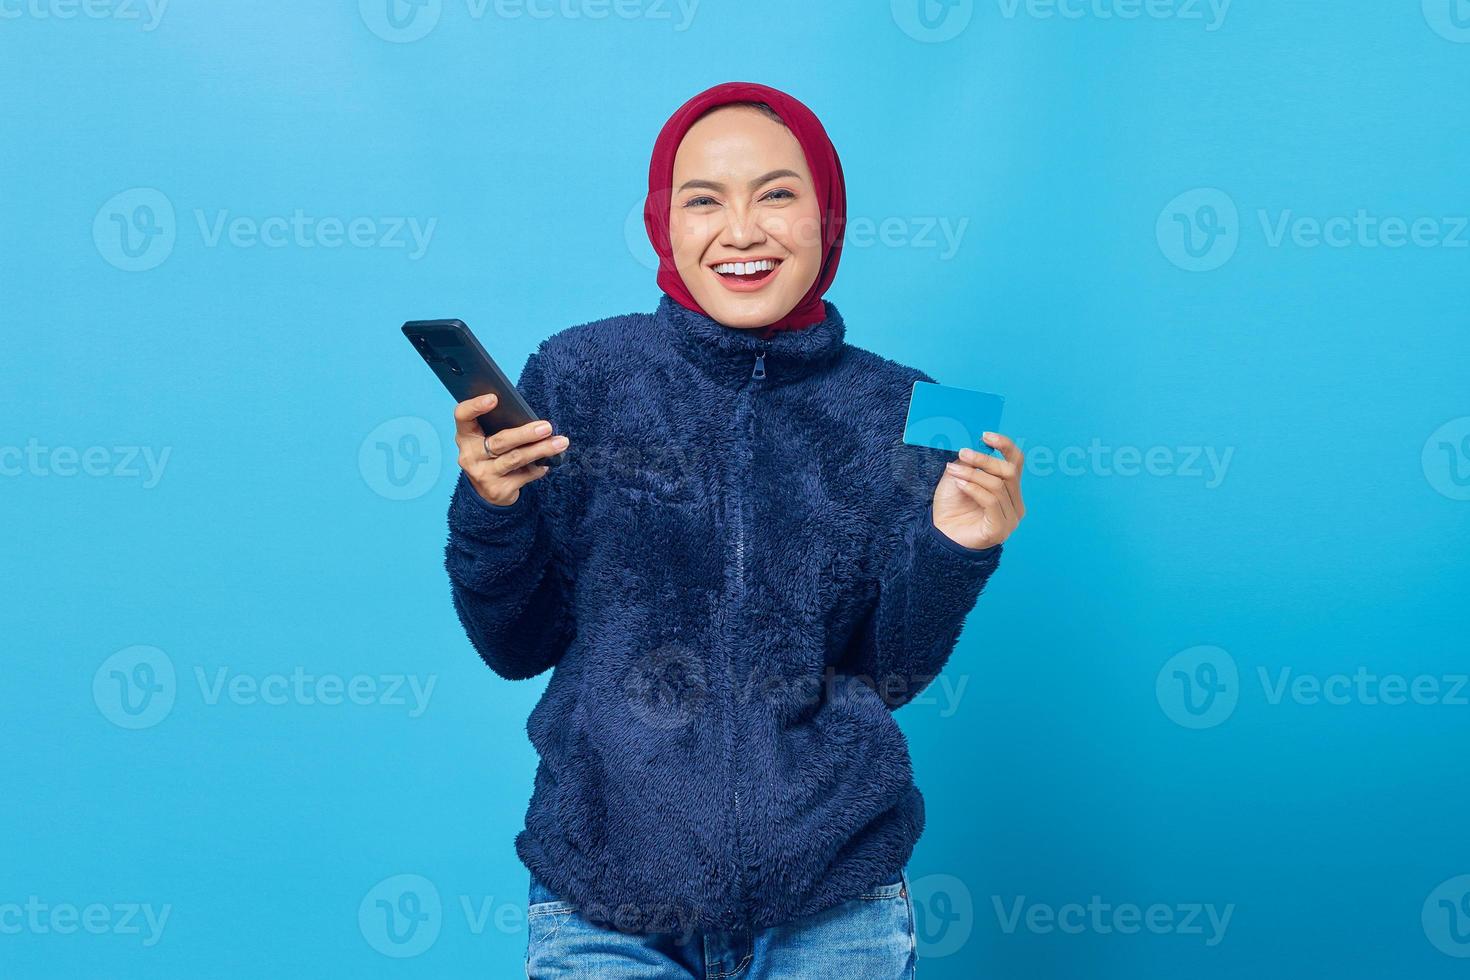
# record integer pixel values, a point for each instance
(942, 417)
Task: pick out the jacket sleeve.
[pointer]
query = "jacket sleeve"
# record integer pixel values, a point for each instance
(508, 578)
(927, 586)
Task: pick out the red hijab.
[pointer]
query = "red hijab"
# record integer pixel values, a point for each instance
(821, 160)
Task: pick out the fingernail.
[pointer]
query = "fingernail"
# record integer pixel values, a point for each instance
(987, 436)
(559, 441)
(543, 429)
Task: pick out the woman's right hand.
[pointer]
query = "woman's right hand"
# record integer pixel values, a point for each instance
(499, 480)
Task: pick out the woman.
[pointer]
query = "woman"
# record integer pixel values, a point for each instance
(738, 573)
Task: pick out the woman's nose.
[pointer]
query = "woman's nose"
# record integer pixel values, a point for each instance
(743, 230)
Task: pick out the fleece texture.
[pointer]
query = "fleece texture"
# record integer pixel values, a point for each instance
(735, 579)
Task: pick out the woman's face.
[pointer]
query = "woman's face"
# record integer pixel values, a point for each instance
(743, 193)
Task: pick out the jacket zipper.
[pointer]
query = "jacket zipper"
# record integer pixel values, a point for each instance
(758, 373)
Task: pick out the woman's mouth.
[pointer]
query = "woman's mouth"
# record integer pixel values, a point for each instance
(746, 275)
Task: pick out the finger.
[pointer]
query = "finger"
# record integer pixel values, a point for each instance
(989, 481)
(980, 495)
(1007, 448)
(509, 462)
(467, 412)
(526, 474)
(1002, 468)
(999, 488)
(993, 505)
(505, 440)
(483, 469)
(1017, 510)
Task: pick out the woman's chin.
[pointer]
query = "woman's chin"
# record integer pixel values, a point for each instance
(746, 313)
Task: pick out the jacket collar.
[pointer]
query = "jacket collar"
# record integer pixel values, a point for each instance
(727, 355)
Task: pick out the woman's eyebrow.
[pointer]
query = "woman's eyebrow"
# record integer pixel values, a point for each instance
(714, 185)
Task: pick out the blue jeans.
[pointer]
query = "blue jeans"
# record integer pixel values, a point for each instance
(868, 938)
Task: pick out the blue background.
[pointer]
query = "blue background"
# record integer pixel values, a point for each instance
(1069, 767)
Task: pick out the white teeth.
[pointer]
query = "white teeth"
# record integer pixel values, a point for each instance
(745, 268)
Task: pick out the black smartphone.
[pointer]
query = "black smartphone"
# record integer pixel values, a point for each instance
(453, 353)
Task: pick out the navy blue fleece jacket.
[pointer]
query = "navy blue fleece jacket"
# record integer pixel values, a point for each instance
(736, 578)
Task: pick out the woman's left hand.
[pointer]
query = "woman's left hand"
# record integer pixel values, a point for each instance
(978, 500)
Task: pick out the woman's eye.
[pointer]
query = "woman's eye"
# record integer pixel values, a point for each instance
(699, 202)
(779, 194)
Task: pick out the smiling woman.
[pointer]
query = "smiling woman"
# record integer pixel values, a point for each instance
(743, 241)
(722, 789)
(746, 208)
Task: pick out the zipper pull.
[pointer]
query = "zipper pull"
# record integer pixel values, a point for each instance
(760, 360)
